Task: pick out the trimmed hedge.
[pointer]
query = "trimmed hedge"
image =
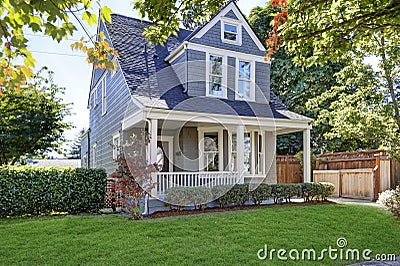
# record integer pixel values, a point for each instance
(239, 194)
(188, 196)
(26, 190)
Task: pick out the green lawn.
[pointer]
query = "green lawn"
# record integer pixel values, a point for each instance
(231, 238)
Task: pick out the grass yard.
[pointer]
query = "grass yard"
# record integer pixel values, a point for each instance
(230, 238)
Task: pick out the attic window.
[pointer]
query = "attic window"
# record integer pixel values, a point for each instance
(231, 31)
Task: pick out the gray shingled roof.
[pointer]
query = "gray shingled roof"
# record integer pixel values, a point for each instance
(150, 78)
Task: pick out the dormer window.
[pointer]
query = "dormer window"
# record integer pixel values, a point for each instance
(231, 31)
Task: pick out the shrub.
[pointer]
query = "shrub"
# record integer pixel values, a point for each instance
(28, 190)
(390, 200)
(221, 195)
(327, 190)
(188, 196)
(239, 194)
(280, 192)
(261, 193)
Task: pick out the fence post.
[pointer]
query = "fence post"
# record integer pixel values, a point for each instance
(377, 175)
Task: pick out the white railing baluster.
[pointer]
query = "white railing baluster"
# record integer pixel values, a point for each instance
(166, 181)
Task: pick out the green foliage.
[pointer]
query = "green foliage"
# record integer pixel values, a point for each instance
(218, 239)
(390, 200)
(38, 190)
(356, 110)
(167, 16)
(240, 193)
(335, 28)
(188, 196)
(75, 147)
(31, 119)
(353, 105)
(318, 32)
(49, 18)
(261, 193)
(280, 192)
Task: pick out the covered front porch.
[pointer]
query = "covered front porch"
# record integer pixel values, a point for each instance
(194, 149)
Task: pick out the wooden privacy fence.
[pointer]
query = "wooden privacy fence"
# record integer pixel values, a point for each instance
(288, 169)
(358, 174)
(352, 183)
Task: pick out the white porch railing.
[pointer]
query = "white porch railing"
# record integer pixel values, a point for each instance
(193, 179)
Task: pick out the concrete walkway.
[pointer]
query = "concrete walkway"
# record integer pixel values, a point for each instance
(354, 201)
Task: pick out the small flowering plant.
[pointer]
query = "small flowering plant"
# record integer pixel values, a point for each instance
(133, 177)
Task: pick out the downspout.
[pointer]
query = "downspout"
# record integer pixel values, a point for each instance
(147, 197)
(186, 68)
(88, 149)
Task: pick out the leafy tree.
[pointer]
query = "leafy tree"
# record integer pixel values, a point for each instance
(296, 86)
(51, 19)
(167, 15)
(318, 31)
(31, 119)
(75, 147)
(356, 110)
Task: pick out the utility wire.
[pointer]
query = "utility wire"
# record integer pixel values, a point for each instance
(55, 53)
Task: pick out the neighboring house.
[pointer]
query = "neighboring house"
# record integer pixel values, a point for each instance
(204, 98)
(76, 163)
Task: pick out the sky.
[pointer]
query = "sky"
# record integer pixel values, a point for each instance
(71, 70)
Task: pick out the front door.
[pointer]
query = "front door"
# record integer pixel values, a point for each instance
(163, 161)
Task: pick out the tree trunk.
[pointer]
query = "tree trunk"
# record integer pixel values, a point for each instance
(390, 84)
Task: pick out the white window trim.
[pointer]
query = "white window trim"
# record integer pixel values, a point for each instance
(116, 136)
(252, 150)
(201, 132)
(252, 80)
(94, 154)
(94, 97)
(224, 75)
(170, 141)
(235, 23)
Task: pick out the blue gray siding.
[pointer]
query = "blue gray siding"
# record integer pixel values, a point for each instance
(180, 67)
(231, 15)
(263, 82)
(104, 126)
(231, 78)
(213, 38)
(196, 73)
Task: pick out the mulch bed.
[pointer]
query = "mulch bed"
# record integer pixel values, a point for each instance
(163, 214)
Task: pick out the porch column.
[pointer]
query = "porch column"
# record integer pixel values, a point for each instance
(307, 156)
(240, 153)
(153, 152)
(153, 140)
(270, 158)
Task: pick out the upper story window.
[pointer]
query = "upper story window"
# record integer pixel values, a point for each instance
(216, 76)
(231, 31)
(94, 98)
(116, 145)
(245, 82)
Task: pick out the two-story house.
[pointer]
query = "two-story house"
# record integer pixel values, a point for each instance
(204, 99)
